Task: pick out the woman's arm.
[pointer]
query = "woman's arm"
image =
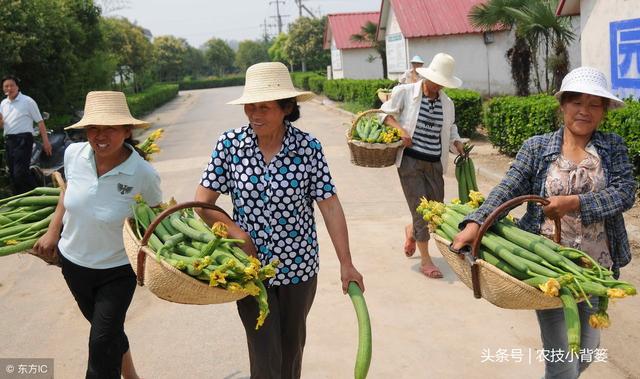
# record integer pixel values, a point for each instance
(333, 216)
(620, 193)
(47, 245)
(211, 216)
(392, 109)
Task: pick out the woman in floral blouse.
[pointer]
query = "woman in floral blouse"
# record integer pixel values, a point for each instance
(274, 172)
(588, 179)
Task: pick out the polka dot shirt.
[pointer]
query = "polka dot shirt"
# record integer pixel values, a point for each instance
(274, 202)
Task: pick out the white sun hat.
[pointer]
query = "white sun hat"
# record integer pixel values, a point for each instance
(416, 59)
(107, 108)
(269, 81)
(440, 71)
(591, 81)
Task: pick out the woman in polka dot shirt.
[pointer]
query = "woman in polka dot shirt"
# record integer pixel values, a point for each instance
(273, 173)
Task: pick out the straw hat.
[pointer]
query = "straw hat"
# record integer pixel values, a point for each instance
(416, 59)
(107, 108)
(440, 71)
(591, 81)
(269, 81)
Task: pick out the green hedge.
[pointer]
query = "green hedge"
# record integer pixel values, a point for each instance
(316, 83)
(626, 123)
(229, 81)
(151, 98)
(301, 79)
(357, 91)
(510, 120)
(468, 106)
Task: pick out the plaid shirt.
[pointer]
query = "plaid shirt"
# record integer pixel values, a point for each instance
(528, 173)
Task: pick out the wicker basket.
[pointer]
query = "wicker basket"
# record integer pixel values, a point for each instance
(371, 154)
(491, 283)
(162, 279)
(55, 259)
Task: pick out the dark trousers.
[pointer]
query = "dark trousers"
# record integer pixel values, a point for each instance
(18, 153)
(103, 297)
(275, 350)
(420, 179)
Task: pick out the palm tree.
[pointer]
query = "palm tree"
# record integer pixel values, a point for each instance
(495, 13)
(537, 27)
(548, 36)
(368, 33)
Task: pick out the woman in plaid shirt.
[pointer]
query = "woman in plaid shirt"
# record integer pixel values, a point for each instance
(588, 179)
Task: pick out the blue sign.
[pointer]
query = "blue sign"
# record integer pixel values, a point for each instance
(625, 56)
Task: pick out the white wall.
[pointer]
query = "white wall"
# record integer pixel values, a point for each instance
(597, 40)
(356, 65)
(482, 67)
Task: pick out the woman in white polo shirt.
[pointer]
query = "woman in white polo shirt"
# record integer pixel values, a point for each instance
(103, 176)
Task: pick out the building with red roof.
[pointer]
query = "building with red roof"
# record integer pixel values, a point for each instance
(350, 58)
(427, 27)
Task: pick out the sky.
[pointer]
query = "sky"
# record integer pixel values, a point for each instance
(199, 20)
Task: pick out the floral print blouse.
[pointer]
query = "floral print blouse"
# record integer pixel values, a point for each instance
(568, 178)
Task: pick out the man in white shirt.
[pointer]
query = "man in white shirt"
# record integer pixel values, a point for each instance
(18, 112)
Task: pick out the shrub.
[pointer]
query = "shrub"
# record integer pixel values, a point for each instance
(228, 81)
(510, 120)
(625, 122)
(316, 83)
(468, 105)
(151, 98)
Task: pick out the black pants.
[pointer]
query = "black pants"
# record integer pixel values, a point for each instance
(275, 350)
(18, 152)
(103, 297)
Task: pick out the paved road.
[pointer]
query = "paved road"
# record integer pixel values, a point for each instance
(422, 328)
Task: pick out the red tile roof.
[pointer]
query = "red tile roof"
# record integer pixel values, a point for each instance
(568, 8)
(427, 18)
(343, 25)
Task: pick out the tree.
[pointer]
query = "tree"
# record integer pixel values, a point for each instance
(304, 44)
(219, 56)
(277, 52)
(195, 64)
(251, 52)
(169, 55)
(368, 33)
(131, 48)
(539, 33)
(52, 46)
(497, 13)
(548, 36)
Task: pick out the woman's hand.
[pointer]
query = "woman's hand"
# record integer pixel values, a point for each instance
(561, 205)
(348, 273)
(248, 246)
(406, 138)
(466, 236)
(47, 245)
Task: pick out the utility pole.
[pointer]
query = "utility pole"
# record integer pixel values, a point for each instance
(301, 7)
(265, 34)
(278, 16)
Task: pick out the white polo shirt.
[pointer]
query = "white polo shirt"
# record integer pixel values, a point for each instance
(95, 208)
(19, 114)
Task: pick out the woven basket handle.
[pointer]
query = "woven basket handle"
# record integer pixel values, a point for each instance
(161, 216)
(504, 207)
(359, 116)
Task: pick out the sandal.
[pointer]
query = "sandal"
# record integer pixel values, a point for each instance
(431, 271)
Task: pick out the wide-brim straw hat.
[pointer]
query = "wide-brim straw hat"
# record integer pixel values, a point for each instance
(440, 71)
(591, 81)
(268, 81)
(107, 108)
